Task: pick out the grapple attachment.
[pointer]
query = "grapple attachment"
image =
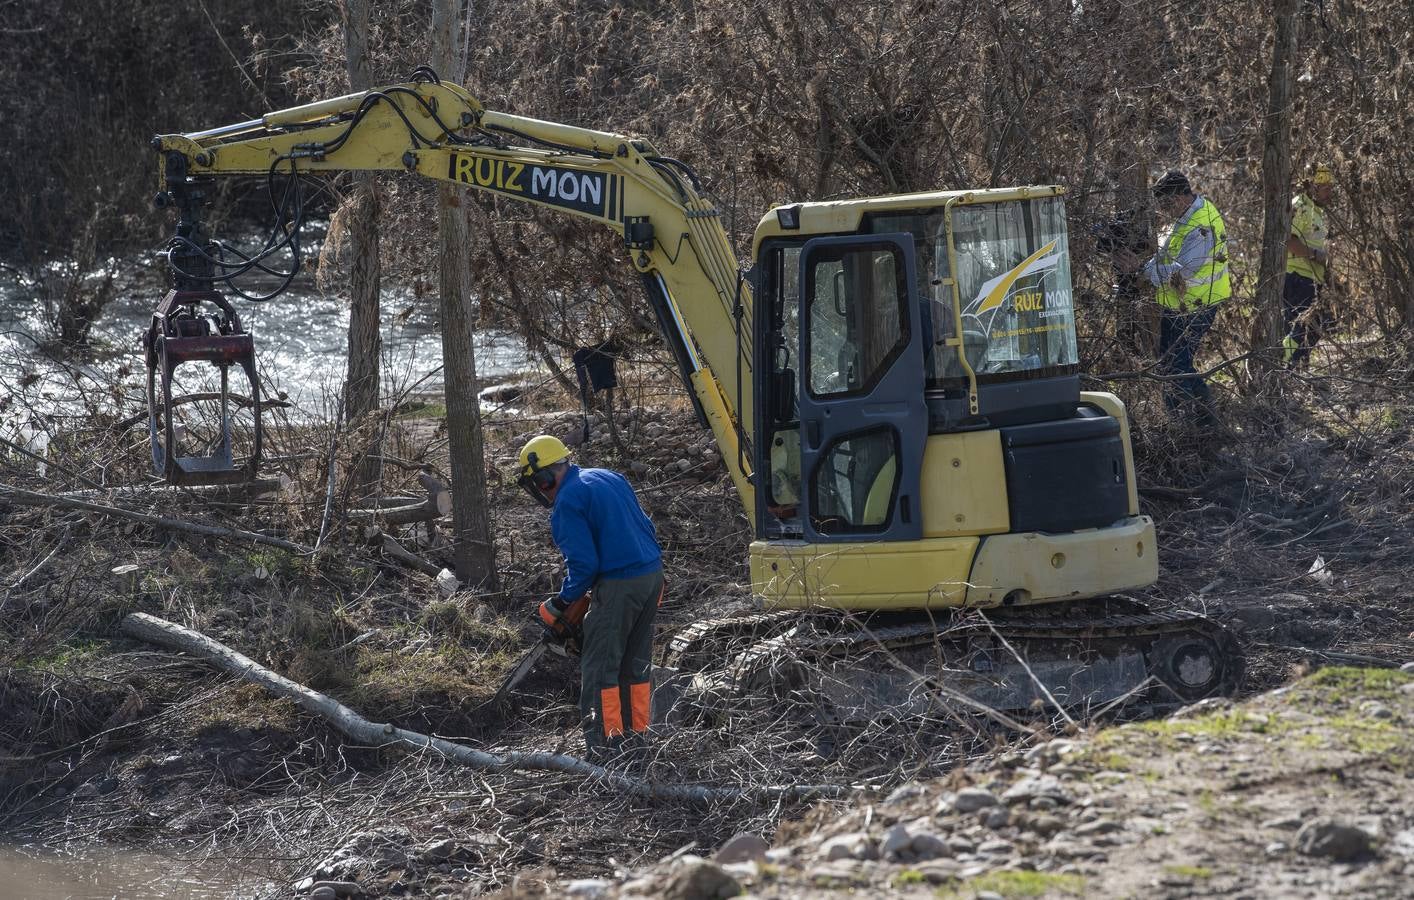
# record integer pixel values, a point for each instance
(182, 333)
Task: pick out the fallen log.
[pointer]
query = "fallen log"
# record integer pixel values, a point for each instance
(246, 489)
(434, 507)
(21, 497)
(349, 723)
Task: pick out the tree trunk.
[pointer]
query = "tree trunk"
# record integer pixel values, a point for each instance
(1276, 190)
(472, 547)
(365, 271)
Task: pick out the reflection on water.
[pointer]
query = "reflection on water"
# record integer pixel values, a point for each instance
(31, 873)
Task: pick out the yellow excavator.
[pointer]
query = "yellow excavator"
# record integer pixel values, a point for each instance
(893, 383)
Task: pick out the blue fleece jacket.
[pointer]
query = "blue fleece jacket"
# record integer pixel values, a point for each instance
(602, 531)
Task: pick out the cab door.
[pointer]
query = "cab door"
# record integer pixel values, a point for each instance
(863, 420)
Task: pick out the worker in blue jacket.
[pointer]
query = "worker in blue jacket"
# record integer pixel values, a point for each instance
(610, 548)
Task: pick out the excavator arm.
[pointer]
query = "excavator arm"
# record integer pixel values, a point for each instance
(672, 231)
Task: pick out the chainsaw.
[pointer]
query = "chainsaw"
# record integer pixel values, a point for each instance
(564, 638)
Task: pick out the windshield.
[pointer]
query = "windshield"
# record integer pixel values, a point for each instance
(1013, 277)
(1014, 282)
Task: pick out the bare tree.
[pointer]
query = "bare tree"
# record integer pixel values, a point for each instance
(365, 271)
(1276, 186)
(474, 551)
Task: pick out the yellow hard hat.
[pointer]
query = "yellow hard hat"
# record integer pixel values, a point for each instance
(540, 452)
(1321, 174)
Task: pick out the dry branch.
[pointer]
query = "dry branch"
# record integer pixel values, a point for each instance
(374, 734)
(21, 497)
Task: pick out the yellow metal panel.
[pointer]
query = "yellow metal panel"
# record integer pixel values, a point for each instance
(1113, 406)
(1040, 568)
(883, 575)
(964, 485)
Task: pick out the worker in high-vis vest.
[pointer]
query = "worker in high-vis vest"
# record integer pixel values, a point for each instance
(1306, 260)
(1190, 274)
(611, 553)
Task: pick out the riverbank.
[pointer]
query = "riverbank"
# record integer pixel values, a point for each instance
(113, 742)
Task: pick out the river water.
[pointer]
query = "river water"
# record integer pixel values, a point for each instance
(29, 873)
(300, 341)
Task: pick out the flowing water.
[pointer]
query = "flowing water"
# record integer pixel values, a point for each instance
(300, 341)
(31, 873)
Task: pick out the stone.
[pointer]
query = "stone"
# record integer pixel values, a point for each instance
(960, 845)
(700, 879)
(340, 888)
(743, 847)
(589, 888)
(323, 893)
(1253, 618)
(1285, 823)
(994, 817)
(1098, 826)
(1376, 710)
(895, 839)
(1333, 839)
(902, 794)
(854, 845)
(1043, 803)
(972, 799)
(438, 851)
(994, 847)
(447, 583)
(1407, 667)
(989, 895)
(1276, 848)
(1036, 787)
(939, 872)
(928, 845)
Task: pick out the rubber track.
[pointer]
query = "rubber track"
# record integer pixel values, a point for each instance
(1125, 623)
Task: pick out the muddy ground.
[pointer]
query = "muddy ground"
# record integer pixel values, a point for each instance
(108, 740)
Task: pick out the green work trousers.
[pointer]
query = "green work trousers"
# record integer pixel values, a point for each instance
(616, 662)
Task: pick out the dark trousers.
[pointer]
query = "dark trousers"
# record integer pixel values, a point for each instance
(1180, 333)
(616, 662)
(1297, 295)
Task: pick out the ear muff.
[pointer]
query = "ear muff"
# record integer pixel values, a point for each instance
(536, 481)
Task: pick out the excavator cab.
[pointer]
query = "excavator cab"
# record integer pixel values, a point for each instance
(921, 413)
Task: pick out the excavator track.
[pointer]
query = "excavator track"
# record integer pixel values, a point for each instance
(1113, 656)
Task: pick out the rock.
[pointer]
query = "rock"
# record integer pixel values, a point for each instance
(779, 856)
(323, 893)
(902, 794)
(700, 879)
(994, 847)
(744, 847)
(855, 845)
(989, 895)
(960, 845)
(1376, 710)
(1047, 825)
(1285, 823)
(590, 888)
(1253, 618)
(447, 583)
(1333, 839)
(438, 851)
(1407, 667)
(1043, 803)
(895, 839)
(994, 817)
(1099, 826)
(86, 791)
(340, 888)
(928, 845)
(1276, 848)
(373, 850)
(972, 799)
(939, 872)
(1034, 788)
